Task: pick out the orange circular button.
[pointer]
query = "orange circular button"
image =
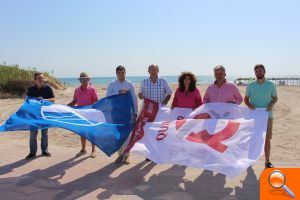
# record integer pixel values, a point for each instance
(277, 179)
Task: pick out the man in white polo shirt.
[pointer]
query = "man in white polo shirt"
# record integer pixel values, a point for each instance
(121, 86)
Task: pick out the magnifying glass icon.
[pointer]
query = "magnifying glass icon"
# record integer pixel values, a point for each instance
(277, 180)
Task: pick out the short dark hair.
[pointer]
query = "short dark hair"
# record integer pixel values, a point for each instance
(119, 68)
(36, 74)
(181, 78)
(260, 66)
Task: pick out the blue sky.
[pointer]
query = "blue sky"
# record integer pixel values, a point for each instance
(95, 36)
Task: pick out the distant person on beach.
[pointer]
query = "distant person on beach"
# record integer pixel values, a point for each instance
(84, 95)
(187, 94)
(121, 86)
(262, 94)
(222, 91)
(155, 88)
(42, 91)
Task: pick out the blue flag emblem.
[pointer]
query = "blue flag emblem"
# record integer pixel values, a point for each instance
(107, 123)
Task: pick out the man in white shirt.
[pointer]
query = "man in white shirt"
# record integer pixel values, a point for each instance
(121, 86)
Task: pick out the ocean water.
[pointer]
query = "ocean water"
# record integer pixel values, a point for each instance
(137, 80)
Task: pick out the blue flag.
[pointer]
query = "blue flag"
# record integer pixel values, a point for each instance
(107, 123)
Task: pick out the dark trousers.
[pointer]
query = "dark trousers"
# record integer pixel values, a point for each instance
(33, 141)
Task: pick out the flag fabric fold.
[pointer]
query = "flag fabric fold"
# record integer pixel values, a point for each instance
(220, 137)
(107, 123)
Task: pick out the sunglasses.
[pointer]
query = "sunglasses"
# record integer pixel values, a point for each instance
(84, 79)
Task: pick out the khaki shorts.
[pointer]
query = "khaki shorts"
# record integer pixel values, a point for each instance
(269, 129)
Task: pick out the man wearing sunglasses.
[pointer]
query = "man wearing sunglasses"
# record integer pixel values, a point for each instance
(42, 91)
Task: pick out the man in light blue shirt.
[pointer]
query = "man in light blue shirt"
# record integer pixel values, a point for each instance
(121, 86)
(262, 94)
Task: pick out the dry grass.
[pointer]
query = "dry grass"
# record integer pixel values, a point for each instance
(15, 81)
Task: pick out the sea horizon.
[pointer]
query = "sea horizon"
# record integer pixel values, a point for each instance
(137, 79)
(201, 79)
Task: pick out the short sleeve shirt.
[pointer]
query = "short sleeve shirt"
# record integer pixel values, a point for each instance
(260, 95)
(85, 96)
(45, 92)
(155, 91)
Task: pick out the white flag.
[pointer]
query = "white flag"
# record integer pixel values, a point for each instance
(220, 137)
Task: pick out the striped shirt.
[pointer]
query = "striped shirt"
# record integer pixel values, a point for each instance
(155, 91)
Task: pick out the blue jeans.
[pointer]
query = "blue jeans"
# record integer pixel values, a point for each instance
(33, 141)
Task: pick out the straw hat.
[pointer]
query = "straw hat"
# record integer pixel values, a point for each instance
(83, 75)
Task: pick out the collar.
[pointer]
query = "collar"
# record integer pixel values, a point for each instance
(156, 79)
(121, 81)
(224, 83)
(38, 87)
(84, 89)
(265, 80)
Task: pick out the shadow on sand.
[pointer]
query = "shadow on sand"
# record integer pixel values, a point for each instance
(167, 184)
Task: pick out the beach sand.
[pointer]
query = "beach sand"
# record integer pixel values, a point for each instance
(64, 177)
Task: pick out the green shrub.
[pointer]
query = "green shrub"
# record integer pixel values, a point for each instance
(14, 80)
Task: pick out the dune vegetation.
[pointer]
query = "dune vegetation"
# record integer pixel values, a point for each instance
(14, 81)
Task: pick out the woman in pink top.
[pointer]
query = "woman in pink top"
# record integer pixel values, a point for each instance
(187, 95)
(84, 95)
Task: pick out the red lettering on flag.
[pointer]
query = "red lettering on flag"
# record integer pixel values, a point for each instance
(148, 114)
(214, 141)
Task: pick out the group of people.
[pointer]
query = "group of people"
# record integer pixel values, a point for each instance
(261, 93)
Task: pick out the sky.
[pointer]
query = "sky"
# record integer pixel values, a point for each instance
(96, 36)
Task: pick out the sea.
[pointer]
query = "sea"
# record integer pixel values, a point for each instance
(137, 80)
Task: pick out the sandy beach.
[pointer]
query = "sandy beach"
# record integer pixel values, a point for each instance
(64, 177)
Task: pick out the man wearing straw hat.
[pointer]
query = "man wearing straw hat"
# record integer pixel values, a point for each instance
(84, 95)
